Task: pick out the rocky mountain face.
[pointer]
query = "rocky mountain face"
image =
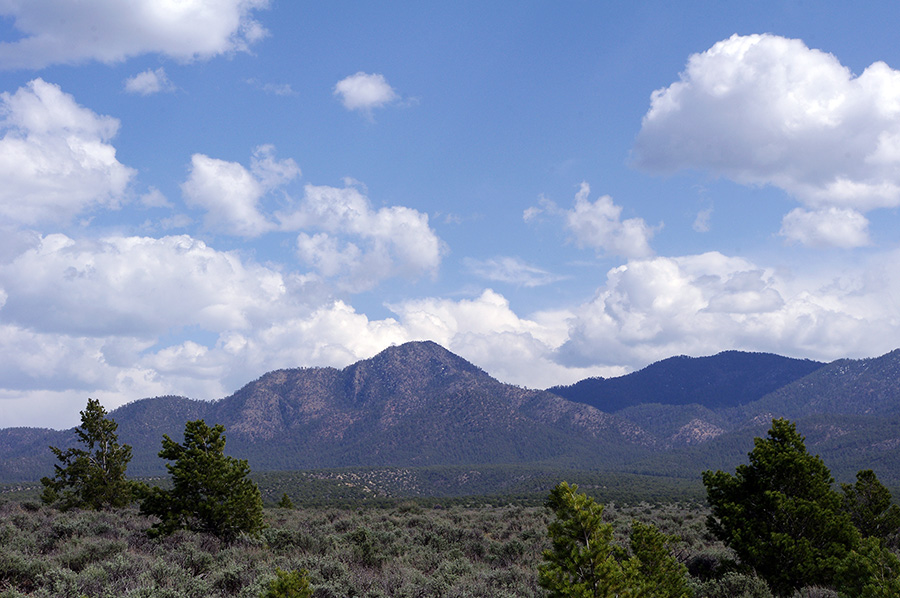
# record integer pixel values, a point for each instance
(417, 404)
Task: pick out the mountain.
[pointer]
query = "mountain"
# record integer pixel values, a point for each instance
(419, 405)
(728, 379)
(412, 405)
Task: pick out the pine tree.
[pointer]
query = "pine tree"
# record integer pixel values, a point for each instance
(91, 478)
(780, 514)
(871, 507)
(584, 563)
(210, 491)
(659, 572)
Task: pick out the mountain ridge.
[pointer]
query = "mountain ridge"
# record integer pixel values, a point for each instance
(417, 404)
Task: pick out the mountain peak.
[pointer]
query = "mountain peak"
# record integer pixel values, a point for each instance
(424, 357)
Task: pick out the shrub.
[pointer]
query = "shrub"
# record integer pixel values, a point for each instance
(288, 584)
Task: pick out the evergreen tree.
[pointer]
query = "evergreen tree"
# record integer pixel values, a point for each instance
(584, 563)
(210, 491)
(780, 514)
(871, 507)
(285, 502)
(870, 571)
(659, 571)
(94, 477)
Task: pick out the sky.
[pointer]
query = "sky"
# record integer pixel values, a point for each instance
(196, 192)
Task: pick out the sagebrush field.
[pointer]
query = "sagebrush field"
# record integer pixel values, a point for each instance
(405, 550)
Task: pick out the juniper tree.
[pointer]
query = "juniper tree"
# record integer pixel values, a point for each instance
(92, 477)
(210, 491)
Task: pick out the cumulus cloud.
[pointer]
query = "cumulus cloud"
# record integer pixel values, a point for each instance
(829, 227)
(231, 194)
(149, 82)
(55, 157)
(364, 92)
(345, 238)
(599, 225)
(511, 270)
(89, 316)
(121, 367)
(766, 110)
(110, 31)
(340, 235)
(698, 305)
(139, 287)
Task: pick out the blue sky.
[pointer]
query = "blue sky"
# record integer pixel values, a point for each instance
(194, 193)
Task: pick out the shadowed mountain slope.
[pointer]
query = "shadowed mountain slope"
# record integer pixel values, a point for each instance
(728, 379)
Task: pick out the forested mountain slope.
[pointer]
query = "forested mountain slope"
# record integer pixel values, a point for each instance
(728, 379)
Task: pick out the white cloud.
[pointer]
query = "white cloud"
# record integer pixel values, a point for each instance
(358, 245)
(85, 318)
(272, 173)
(364, 92)
(545, 206)
(830, 227)
(699, 305)
(599, 225)
(61, 31)
(149, 82)
(154, 198)
(231, 194)
(486, 331)
(511, 270)
(55, 159)
(139, 287)
(340, 234)
(120, 368)
(765, 110)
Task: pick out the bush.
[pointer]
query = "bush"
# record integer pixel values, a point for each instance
(733, 585)
(293, 584)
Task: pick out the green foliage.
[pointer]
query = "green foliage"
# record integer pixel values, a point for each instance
(94, 477)
(733, 584)
(871, 508)
(285, 502)
(657, 567)
(210, 491)
(584, 563)
(783, 519)
(780, 514)
(293, 584)
(870, 571)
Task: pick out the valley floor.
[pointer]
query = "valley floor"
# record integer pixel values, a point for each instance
(406, 549)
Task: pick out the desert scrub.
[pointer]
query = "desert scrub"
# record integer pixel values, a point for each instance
(399, 550)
